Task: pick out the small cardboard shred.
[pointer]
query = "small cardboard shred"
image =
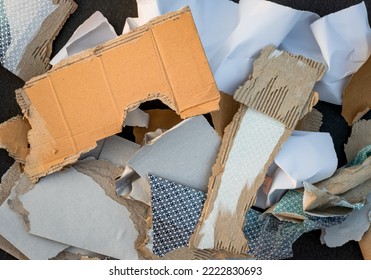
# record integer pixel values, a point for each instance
(63, 105)
(338, 195)
(35, 60)
(252, 141)
(7, 182)
(365, 245)
(158, 119)
(311, 122)
(228, 107)
(13, 138)
(357, 97)
(359, 138)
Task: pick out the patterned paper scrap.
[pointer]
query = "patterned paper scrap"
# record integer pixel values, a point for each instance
(175, 213)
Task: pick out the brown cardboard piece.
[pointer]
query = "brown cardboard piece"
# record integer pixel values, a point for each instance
(357, 97)
(311, 122)
(278, 95)
(158, 118)
(13, 138)
(228, 107)
(35, 60)
(359, 138)
(85, 98)
(365, 245)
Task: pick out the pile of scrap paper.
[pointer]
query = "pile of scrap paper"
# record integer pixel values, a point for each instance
(245, 181)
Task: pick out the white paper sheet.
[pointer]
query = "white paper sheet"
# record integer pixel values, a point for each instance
(305, 156)
(93, 32)
(183, 154)
(341, 40)
(137, 117)
(13, 229)
(72, 208)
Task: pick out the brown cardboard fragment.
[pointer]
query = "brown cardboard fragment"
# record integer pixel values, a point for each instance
(365, 245)
(228, 107)
(278, 94)
(158, 119)
(7, 182)
(13, 138)
(35, 60)
(311, 122)
(357, 97)
(359, 138)
(281, 96)
(85, 98)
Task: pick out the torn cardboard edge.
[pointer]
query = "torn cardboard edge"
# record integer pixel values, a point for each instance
(8, 180)
(359, 138)
(276, 97)
(13, 138)
(365, 245)
(311, 122)
(63, 127)
(35, 60)
(357, 97)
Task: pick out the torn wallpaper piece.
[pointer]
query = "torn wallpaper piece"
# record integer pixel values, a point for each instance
(345, 190)
(175, 213)
(63, 127)
(232, 45)
(277, 95)
(345, 41)
(305, 156)
(359, 138)
(17, 34)
(89, 220)
(13, 229)
(183, 154)
(290, 206)
(26, 45)
(272, 239)
(353, 228)
(357, 98)
(93, 32)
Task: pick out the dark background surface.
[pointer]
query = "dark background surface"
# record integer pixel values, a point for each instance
(116, 11)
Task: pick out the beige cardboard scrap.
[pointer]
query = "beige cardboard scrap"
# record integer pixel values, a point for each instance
(64, 105)
(311, 122)
(347, 188)
(183, 154)
(87, 217)
(35, 60)
(359, 138)
(7, 182)
(365, 245)
(279, 97)
(158, 119)
(13, 138)
(353, 228)
(13, 229)
(357, 97)
(228, 107)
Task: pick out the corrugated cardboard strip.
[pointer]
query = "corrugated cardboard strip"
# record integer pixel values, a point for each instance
(35, 61)
(276, 97)
(64, 105)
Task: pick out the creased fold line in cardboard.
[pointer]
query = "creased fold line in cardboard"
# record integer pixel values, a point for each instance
(278, 95)
(86, 97)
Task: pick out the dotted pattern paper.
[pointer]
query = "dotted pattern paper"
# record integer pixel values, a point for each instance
(175, 212)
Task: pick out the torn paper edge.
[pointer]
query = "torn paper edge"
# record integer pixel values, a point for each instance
(35, 60)
(359, 138)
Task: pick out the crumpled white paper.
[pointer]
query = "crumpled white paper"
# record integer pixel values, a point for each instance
(233, 34)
